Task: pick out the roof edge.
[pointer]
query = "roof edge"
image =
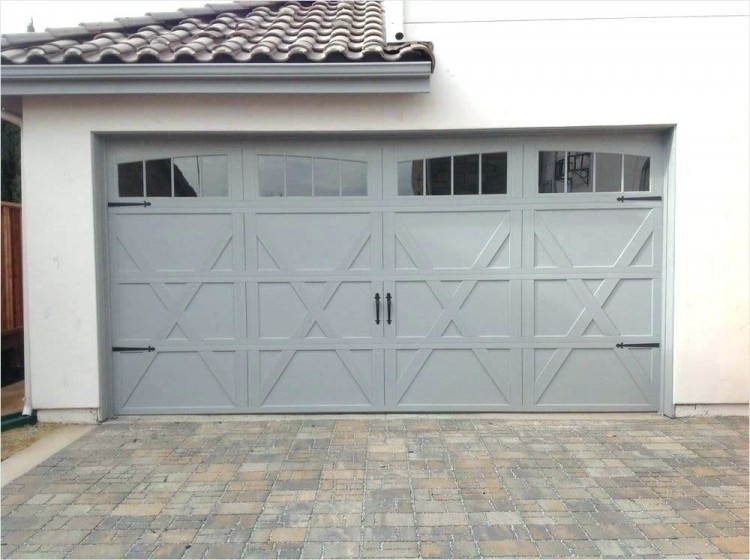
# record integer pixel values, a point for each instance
(131, 23)
(229, 78)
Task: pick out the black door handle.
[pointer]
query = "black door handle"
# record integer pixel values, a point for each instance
(377, 308)
(388, 307)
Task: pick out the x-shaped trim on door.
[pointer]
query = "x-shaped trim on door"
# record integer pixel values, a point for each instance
(315, 314)
(593, 306)
(452, 303)
(176, 313)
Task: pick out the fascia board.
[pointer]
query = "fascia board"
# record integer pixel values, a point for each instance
(102, 79)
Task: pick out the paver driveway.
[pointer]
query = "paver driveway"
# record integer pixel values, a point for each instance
(377, 486)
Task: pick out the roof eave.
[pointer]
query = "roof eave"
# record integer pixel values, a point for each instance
(216, 78)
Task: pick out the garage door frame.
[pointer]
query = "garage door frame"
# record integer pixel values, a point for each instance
(618, 140)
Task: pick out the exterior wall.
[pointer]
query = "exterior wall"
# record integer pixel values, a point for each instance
(633, 64)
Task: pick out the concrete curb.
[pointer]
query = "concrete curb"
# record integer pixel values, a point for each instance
(26, 459)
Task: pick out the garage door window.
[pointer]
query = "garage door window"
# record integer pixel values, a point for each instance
(586, 172)
(454, 175)
(193, 176)
(296, 176)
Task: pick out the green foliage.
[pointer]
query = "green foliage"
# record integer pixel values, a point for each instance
(11, 164)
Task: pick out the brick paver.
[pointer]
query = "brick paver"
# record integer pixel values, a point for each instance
(453, 486)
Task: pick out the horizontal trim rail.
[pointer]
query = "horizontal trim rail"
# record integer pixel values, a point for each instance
(377, 344)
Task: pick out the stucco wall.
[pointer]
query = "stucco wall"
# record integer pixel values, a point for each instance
(504, 68)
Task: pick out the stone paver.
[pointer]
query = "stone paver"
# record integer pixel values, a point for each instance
(453, 486)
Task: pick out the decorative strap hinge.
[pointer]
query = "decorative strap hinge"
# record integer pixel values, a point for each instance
(638, 345)
(145, 203)
(637, 198)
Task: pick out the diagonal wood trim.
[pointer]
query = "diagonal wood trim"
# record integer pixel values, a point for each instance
(493, 372)
(405, 380)
(146, 359)
(645, 385)
(412, 248)
(549, 371)
(637, 242)
(494, 244)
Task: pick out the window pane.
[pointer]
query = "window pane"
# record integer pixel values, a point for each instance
(410, 177)
(271, 175)
(637, 173)
(608, 172)
(353, 178)
(130, 179)
(466, 174)
(326, 176)
(298, 176)
(159, 177)
(214, 176)
(495, 173)
(551, 172)
(438, 176)
(579, 172)
(186, 178)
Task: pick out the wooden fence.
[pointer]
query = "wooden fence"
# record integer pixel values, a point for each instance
(12, 280)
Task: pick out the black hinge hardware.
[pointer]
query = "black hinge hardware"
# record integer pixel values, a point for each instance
(637, 198)
(377, 308)
(388, 307)
(638, 345)
(133, 348)
(145, 203)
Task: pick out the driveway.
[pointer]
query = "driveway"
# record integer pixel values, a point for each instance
(388, 486)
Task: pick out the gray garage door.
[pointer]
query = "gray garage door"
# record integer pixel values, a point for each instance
(413, 275)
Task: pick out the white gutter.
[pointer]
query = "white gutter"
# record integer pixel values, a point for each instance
(324, 77)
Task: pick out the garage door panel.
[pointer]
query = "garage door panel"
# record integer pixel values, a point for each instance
(591, 377)
(173, 243)
(315, 242)
(315, 310)
(320, 377)
(632, 307)
(556, 308)
(452, 377)
(591, 237)
(160, 381)
(141, 314)
(452, 308)
(196, 312)
(451, 240)
(577, 308)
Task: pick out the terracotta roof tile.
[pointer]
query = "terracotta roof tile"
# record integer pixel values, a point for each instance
(241, 31)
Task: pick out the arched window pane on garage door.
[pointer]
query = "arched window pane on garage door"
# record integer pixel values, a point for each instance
(587, 172)
(454, 175)
(192, 176)
(301, 176)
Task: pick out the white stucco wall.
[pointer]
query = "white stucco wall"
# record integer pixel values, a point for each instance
(632, 63)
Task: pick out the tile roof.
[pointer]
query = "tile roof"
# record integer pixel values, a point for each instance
(239, 31)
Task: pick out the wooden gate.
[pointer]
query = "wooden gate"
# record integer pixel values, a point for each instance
(12, 280)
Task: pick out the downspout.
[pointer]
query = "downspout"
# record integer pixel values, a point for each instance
(27, 408)
(393, 10)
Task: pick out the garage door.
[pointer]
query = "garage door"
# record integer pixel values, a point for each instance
(458, 274)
